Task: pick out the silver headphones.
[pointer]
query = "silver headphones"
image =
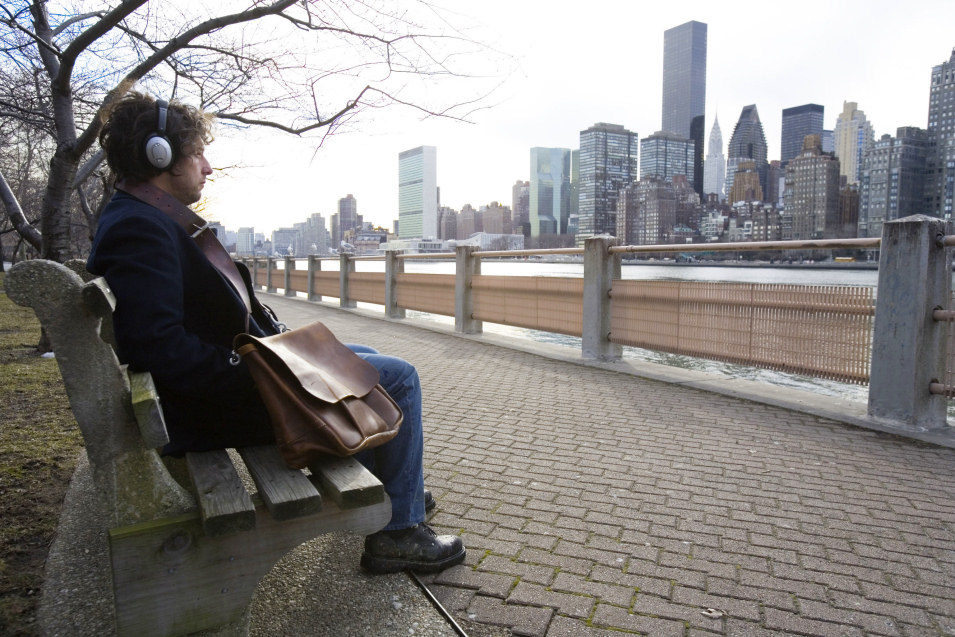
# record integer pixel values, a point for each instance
(158, 147)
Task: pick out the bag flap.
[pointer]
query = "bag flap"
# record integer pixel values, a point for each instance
(320, 362)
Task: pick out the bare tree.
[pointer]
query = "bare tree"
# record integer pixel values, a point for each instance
(299, 66)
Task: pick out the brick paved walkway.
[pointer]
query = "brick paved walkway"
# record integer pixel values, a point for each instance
(594, 503)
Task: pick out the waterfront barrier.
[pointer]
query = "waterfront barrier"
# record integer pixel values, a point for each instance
(895, 338)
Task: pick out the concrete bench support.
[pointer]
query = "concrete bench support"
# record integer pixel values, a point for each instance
(908, 348)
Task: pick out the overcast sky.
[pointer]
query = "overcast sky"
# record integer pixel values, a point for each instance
(571, 65)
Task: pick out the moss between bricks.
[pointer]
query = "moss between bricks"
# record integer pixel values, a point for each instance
(39, 441)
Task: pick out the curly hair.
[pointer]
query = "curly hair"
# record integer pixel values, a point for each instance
(133, 118)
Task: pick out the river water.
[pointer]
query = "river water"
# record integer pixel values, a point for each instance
(785, 275)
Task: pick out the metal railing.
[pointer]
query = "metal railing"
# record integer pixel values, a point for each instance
(823, 331)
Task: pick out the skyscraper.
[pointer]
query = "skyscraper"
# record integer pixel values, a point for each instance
(646, 212)
(799, 121)
(684, 88)
(892, 184)
(348, 213)
(853, 137)
(549, 201)
(940, 175)
(608, 162)
(521, 207)
(748, 143)
(418, 193)
(714, 169)
(812, 193)
(666, 155)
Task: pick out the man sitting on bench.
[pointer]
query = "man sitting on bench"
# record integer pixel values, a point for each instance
(176, 316)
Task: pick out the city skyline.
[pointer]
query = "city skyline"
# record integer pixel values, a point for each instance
(547, 102)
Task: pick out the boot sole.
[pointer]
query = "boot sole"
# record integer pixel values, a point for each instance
(382, 565)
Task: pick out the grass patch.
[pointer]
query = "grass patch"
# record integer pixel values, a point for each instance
(39, 441)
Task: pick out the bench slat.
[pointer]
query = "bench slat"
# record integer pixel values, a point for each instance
(224, 504)
(287, 493)
(347, 482)
(146, 407)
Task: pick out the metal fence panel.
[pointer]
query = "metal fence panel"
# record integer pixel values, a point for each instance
(823, 331)
(298, 280)
(426, 292)
(367, 287)
(326, 283)
(551, 304)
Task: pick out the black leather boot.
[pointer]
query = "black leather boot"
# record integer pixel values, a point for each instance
(429, 501)
(417, 548)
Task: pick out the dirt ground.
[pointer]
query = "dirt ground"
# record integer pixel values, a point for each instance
(39, 441)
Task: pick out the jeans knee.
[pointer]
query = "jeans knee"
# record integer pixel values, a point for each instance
(396, 375)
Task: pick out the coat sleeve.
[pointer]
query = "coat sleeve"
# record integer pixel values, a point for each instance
(142, 263)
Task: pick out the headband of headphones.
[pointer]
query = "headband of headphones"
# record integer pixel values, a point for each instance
(159, 150)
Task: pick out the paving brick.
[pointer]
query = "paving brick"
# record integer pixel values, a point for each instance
(718, 569)
(620, 619)
(525, 592)
(783, 621)
(909, 614)
(451, 597)
(737, 628)
(654, 583)
(767, 597)
(567, 627)
(877, 624)
(597, 556)
(545, 542)
(833, 580)
(492, 584)
(732, 607)
(530, 572)
(522, 620)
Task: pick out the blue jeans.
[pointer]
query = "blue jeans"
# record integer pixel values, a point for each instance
(398, 462)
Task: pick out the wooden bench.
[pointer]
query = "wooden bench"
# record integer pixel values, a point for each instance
(183, 559)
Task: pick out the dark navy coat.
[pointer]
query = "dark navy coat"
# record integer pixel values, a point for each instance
(175, 317)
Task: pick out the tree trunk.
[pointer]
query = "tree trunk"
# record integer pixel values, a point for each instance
(55, 213)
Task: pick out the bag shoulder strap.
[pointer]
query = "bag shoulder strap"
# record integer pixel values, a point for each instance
(198, 230)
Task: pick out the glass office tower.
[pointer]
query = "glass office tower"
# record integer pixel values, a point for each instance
(684, 88)
(418, 193)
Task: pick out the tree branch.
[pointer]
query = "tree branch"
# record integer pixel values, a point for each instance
(16, 216)
(77, 18)
(100, 28)
(87, 169)
(296, 131)
(161, 54)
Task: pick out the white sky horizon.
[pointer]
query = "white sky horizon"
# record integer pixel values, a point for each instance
(574, 68)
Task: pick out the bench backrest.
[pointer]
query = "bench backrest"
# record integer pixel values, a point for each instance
(127, 471)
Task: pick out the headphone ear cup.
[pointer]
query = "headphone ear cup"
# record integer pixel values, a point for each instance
(159, 151)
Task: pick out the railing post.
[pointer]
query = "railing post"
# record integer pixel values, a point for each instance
(255, 273)
(269, 267)
(345, 268)
(466, 268)
(314, 265)
(600, 269)
(908, 345)
(393, 267)
(289, 266)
